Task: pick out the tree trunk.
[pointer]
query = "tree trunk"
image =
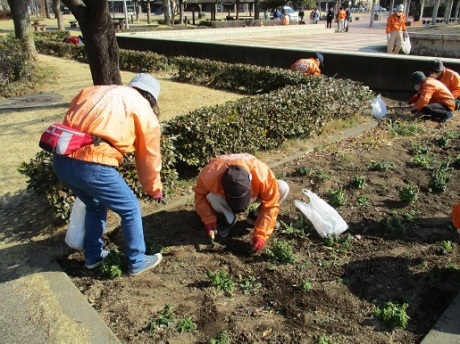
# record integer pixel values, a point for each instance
(256, 9)
(435, 12)
(99, 39)
(166, 14)
(457, 9)
(149, 16)
(136, 8)
(448, 12)
(57, 11)
(22, 27)
(422, 7)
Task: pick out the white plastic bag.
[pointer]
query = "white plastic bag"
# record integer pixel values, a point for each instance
(405, 45)
(325, 219)
(76, 232)
(379, 108)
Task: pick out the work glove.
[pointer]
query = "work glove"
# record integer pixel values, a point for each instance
(211, 229)
(413, 99)
(405, 34)
(388, 36)
(258, 245)
(160, 198)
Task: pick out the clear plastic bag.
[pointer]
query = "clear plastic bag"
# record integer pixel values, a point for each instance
(379, 108)
(75, 236)
(325, 219)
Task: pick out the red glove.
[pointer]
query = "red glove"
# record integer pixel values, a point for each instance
(211, 227)
(413, 99)
(258, 244)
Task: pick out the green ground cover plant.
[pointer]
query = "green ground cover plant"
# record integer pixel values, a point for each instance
(393, 314)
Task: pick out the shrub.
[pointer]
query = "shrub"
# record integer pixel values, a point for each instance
(408, 194)
(16, 68)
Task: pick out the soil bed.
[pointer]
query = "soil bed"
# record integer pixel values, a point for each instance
(393, 251)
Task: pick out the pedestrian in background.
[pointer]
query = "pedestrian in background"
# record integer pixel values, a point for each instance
(124, 119)
(227, 185)
(329, 18)
(433, 98)
(341, 16)
(396, 30)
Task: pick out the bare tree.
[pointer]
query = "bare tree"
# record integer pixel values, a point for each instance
(22, 27)
(101, 45)
(58, 12)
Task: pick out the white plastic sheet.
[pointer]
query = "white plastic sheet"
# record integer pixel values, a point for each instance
(75, 236)
(325, 219)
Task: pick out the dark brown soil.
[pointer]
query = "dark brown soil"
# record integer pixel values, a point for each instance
(391, 252)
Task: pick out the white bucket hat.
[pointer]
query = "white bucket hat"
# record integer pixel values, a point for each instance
(145, 82)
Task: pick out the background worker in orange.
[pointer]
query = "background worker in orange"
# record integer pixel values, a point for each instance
(309, 66)
(227, 185)
(341, 16)
(448, 77)
(396, 30)
(434, 99)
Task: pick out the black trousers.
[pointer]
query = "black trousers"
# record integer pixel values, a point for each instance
(437, 111)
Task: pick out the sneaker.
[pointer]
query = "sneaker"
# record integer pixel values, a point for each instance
(449, 115)
(149, 263)
(90, 265)
(224, 228)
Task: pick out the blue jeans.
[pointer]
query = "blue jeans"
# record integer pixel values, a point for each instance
(101, 187)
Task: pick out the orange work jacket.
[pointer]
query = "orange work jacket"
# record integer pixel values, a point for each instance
(395, 23)
(308, 66)
(451, 79)
(341, 14)
(123, 118)
(434, 91)
(264, 188)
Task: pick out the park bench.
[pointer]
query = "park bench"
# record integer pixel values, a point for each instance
(73, 23)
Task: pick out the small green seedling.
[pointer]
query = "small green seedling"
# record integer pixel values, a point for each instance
(186, 325)
(249, 284)
(393, 223)
(114, 264)
(281, 251)
(306, 285)
(337, 198)
(399, 128)
(164, 319)
(362, 200)
(440, 176)
(446, 247)
(358, 182)
(220, 338)
(221, 281)
(408, 194)
(302, 171)
(324, 340)
(393, 314)
(380, 166)
(422, 160)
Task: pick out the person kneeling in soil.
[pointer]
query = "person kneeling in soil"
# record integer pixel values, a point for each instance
(125, 119)
(227, 185)
(433, 98)
(309, 66)
(456, 217)
(448, 77)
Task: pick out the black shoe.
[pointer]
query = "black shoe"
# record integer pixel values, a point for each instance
(449, 115)
(252, 217)
(224, 228)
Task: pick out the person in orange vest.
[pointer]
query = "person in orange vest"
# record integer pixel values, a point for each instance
(456, 217)
(284, 18)
(309, 66)
(448, 77)
(125, 119)
(434, 99)
(341, 16)
(396, 29)
(227, 185)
